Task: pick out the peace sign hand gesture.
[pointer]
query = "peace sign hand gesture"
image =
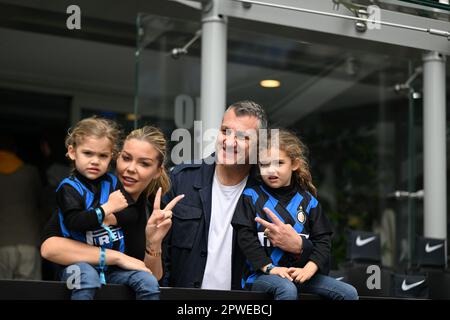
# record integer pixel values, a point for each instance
(160, 221)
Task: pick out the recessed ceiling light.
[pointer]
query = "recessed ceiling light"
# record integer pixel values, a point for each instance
(270, 83)
(131, 117)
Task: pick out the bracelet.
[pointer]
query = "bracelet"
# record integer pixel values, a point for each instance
(153, 253)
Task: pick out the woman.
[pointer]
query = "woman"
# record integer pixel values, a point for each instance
(140, 168)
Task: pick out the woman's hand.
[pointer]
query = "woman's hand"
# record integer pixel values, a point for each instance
(159, 222)
(301, 275)
(66, 251)
(126, 262)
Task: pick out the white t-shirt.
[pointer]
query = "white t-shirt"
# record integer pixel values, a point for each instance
(220, 237)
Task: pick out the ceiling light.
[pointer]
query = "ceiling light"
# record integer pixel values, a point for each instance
(131, 117)
(270, 83)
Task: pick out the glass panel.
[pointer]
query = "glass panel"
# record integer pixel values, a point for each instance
(167, 78)
(351, 110)
(424, 8)
(431, 4)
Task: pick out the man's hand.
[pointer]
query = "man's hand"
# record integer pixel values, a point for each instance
(301, 275)
(280, 234)
(282, 272)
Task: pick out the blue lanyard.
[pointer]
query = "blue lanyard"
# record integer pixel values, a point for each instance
(102, 265)
(111, 235)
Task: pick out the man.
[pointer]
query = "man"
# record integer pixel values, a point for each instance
(201, 250)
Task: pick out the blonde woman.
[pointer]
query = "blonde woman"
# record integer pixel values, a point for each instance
(140, 169)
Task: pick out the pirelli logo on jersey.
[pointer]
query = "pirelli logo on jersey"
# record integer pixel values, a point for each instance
(265, 242)
(100, 237)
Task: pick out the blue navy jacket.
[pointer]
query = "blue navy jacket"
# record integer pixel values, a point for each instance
(186, 245)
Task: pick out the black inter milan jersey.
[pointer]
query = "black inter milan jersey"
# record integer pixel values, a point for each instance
(291, 205)
(78, 198)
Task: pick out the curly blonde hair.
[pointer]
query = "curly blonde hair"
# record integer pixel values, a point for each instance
(94, 127)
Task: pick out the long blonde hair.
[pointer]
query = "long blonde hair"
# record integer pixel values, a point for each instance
(156, 138)
(296, 150)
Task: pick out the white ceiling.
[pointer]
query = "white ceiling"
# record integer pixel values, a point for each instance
(77, 67)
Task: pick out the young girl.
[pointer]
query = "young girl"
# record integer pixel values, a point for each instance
(87, 201)
(288, 193)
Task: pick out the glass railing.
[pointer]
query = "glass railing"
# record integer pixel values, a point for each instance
(424, 8)
(167, 84)
(349, 105)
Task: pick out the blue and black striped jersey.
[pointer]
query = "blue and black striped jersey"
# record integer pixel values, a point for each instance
(292, 205)
(77, 199)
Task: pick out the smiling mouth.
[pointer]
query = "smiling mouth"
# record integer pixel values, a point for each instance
(128, 180)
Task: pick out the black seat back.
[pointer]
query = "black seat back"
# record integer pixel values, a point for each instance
(364, 247)
(431, 252)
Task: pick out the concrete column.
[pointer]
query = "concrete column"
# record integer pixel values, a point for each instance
(435, 169)
(213, 67)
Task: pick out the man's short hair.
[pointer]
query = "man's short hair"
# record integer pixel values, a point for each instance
(250, 108)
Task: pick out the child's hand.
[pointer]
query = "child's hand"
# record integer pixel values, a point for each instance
(302, 275)
(116, 202)
(282, 272)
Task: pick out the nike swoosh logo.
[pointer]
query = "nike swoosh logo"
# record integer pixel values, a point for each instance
(429, 248)
(340, 278)
(360, 242)
(406, 287)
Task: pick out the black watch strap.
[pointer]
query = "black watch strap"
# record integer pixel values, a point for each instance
(269, 267)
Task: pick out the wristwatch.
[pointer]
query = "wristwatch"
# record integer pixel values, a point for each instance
(269, 267)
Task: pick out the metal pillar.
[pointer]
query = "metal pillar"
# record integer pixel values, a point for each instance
(213, 67)
(435, 184)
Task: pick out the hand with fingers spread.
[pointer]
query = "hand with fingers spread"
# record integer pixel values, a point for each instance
(281, 235)
(160, 221)
(302, 275)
